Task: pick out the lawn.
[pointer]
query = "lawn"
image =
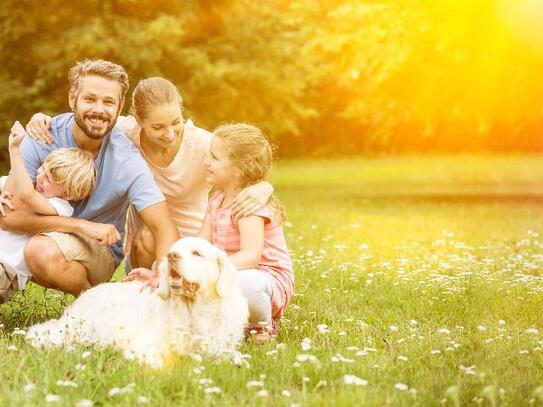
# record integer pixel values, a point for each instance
(418, 280)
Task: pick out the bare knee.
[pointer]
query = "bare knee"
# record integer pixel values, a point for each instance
(50, 269)
(42, 255)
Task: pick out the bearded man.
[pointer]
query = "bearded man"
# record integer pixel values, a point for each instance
(73, 254)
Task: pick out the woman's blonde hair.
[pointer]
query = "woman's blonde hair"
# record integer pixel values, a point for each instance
(251, 154)
(74, 170)
(152, 92)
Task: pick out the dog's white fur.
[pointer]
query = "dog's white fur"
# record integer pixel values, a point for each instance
(198, 307)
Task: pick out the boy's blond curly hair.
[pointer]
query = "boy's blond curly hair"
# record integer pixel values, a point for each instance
(74, 170)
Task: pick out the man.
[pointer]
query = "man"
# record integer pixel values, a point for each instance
(73, 254)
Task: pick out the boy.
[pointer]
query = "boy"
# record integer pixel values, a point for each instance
(67, 174)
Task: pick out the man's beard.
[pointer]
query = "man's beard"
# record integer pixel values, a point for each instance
(94, 134)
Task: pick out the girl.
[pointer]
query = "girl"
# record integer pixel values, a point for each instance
(240, 156)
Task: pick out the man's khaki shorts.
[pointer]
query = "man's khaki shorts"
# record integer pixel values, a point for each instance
(97, 259)
(8, 283)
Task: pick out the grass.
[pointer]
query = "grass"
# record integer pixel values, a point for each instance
(421, 276)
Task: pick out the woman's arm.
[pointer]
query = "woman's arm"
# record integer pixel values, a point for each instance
(23, 188)
(39, 128)
(251, 230)
(205, 230)
(251, 199)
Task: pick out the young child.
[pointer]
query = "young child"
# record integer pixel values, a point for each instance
(66, 174)
(241, 156)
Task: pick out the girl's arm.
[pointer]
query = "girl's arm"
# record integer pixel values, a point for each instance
(23, 188)
(205, 230)
(251, 230)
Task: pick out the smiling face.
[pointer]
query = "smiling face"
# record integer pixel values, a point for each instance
(96, 105)
(163, 125)
(46, 186)
(220, 171)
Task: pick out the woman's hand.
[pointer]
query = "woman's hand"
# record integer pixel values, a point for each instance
(149, 278)
(38, 128)
(251, 199)
(5, 199)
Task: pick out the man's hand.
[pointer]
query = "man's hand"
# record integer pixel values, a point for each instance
(5, 199)
(150, 278)
(104, 233)
(16, 136)
(38, 128)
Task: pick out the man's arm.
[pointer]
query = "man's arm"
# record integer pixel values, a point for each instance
(158, 219)
(23, 220)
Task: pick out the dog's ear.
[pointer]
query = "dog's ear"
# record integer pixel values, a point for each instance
(163, 290)
(227, 275)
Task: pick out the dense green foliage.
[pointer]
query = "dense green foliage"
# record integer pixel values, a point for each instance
(424, 272)
(322, 77)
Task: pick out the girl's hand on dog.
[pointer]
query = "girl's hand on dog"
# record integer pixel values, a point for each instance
(146, 276)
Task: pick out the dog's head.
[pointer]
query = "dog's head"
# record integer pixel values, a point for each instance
(195, 267)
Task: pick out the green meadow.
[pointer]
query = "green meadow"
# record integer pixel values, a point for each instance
(418, 282)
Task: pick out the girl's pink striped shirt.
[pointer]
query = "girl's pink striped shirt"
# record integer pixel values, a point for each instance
(275, 259)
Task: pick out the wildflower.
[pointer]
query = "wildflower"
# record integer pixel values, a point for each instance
(354, 380)
(254, 383)
(481, 328)
(393, 328)
(29, 387)
(533, 331)
(402, 358)
(86, 355)
(307, 358)
(84, 403)
(52, 398)
(197, 357)
(401, 386)
(285, 393)
(212, 390)
(114, 391)
(66, 383)
(339, 358)
(143, 400)
(306, 344)
(323, 329)
(444, 331)
(262, 393)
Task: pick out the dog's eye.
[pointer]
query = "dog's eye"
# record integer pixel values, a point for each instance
(197, 253)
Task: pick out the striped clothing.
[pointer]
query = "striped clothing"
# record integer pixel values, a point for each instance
(275, 260)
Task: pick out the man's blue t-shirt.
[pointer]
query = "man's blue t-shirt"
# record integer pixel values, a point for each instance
(122, 177)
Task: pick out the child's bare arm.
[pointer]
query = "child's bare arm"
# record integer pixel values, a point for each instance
(22, 185)
(251, 243)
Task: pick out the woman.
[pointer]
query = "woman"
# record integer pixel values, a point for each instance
(175, 151)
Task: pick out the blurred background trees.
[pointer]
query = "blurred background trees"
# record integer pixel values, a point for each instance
(322, 77)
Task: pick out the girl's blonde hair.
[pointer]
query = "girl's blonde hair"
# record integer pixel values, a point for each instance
(152, 92)
(74, 170)
(251, 154)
